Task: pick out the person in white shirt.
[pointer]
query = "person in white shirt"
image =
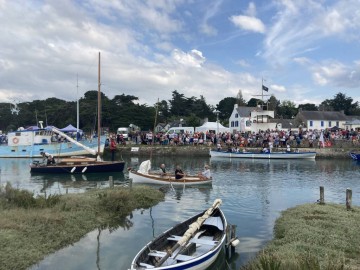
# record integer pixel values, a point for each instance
(205, 175)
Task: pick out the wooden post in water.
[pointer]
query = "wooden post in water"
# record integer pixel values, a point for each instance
(233, 236)
(322, 201)
(348, 198)
(227, 241)
(111, 182)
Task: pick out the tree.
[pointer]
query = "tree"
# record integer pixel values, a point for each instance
(226, 107)
(253, 102)
(240, 100)
(273, 104)
(179, 104)
(287, 109)
(308, 107)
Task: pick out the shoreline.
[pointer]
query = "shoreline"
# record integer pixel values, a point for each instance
(203, 151)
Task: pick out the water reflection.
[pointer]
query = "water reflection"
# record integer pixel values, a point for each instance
(254, 192)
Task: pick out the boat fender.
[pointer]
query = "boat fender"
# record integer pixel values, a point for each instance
(84, 170)
(15, 140)
(235, 242)
(73, 169)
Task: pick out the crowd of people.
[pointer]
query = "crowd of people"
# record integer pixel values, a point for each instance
(276, 138)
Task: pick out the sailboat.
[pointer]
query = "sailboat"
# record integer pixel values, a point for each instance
(80, 164)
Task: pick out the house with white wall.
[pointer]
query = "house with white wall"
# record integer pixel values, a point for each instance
(244, 119)
(321, 119)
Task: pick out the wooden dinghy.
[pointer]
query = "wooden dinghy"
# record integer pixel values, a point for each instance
(192, 244)
(143, 176)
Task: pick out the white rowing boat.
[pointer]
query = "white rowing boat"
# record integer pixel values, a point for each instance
(191, 245)
(258, 155)
(144, 176)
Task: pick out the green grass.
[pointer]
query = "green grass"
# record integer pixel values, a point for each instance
(313, 236)
(31, 228)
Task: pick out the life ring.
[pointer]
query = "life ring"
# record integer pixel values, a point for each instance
(15, 140)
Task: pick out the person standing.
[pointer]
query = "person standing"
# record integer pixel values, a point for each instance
(112, 148)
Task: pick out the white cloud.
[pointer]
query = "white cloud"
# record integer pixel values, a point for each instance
(278, 88)
(191, 59)
(248, 23)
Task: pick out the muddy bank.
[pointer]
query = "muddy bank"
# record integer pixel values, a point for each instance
(203, 151)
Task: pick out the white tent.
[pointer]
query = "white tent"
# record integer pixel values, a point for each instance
(214, 126)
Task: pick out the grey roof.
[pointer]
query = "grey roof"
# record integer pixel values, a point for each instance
(323, 115)
(285, 123)
(244, 111)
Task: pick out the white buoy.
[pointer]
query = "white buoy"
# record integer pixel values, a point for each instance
(73, 169)
(235, 242)
(84, 170)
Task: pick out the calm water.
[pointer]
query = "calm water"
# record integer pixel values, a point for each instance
(254, 192)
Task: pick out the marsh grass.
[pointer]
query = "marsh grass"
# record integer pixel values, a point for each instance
(31, 228)
(313, 237)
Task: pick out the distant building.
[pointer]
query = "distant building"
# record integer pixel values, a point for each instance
(244, 119)
(321, 119)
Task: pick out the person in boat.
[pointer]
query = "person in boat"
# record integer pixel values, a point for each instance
(112, 148)
(205, 174)
(48, 157)
(288, 149)
(265, 150)
(162, 170)
(179, 173)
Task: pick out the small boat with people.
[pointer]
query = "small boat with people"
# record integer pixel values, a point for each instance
(355, 156)
(192, 244)
(264, 154)
(144, 175)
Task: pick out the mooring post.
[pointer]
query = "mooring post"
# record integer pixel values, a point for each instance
(233, 236)
(348, 198)
(322, 201)
(228, 237)
(130, 183)
(111, 182)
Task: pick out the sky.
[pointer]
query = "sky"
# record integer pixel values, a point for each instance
(304, 51)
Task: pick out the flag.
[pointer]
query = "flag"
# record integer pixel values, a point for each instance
(265, 88)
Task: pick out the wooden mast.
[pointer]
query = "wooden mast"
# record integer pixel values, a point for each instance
(99, 107)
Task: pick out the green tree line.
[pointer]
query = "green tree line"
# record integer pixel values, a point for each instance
(123, 110)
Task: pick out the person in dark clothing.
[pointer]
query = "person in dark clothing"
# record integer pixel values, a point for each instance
(179, 173)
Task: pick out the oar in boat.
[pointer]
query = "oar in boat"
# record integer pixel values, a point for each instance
(193, 228)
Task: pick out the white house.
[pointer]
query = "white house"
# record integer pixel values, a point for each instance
(321, 119)
(252, 119)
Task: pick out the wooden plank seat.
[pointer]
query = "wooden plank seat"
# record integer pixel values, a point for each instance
(195, 240)
(148, 266)
(179, 257)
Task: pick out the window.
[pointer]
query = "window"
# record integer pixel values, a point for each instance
(329, 123)
(322, 123)
(311, 123)
(236, 123)
(232, 123)
(236, 115)
(337, 123)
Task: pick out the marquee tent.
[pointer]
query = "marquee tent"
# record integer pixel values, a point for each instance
(214, 126)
